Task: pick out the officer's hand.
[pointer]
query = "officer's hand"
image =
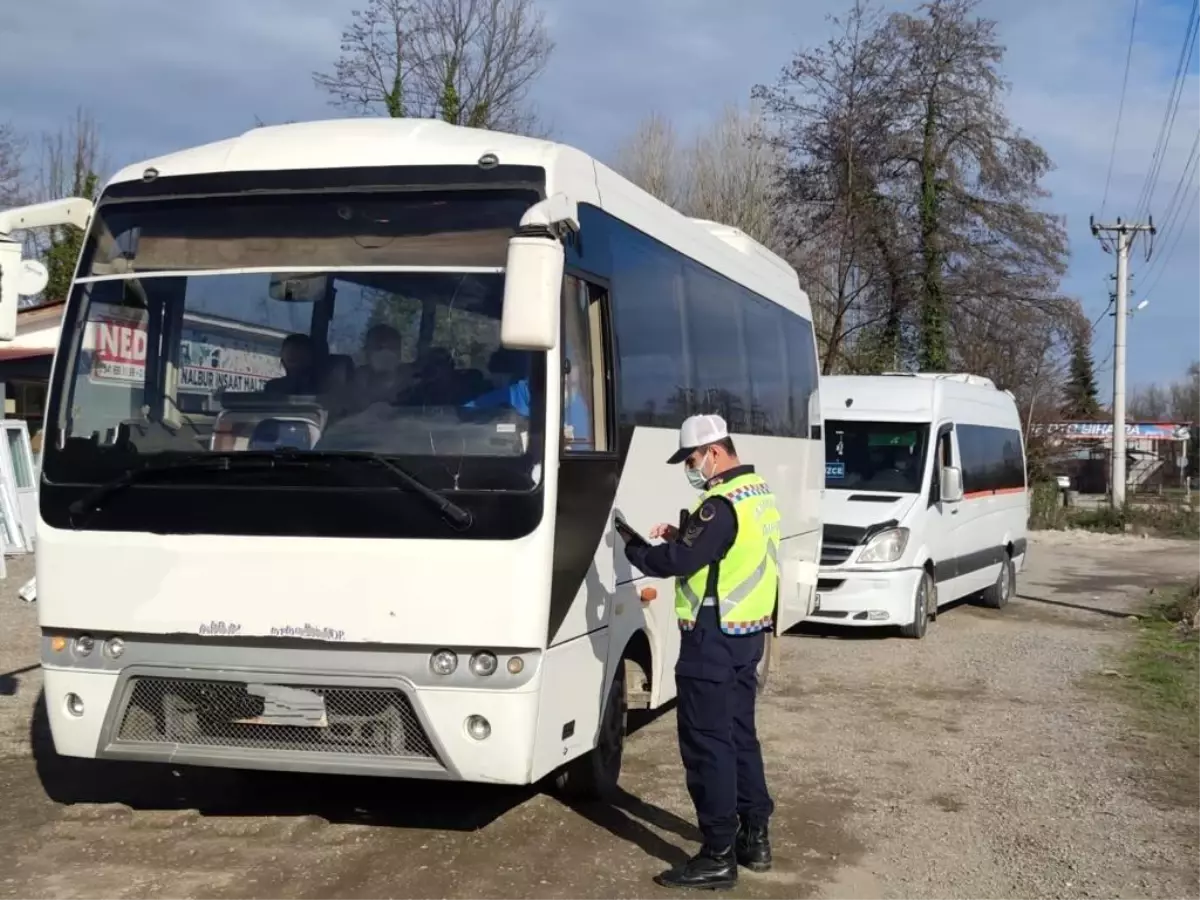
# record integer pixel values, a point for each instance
(664, 531)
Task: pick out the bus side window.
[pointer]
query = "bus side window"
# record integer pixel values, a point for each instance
(586, 371)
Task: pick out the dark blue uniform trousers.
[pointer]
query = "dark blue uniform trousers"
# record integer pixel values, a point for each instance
(716, 682)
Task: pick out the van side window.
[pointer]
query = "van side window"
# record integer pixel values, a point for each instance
(992, 459)
(944, 457)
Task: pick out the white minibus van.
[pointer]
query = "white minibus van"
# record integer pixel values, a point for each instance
(926, 499)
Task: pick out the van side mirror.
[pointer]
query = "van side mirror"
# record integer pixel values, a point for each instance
(533, 275)
(951, 487)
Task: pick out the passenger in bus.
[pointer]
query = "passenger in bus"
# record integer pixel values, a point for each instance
(337, 385)
(724, 561)
(577, 418)
(299, 375)
(381, 379)
(436, 380)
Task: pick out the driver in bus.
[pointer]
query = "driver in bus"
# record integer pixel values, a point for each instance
(577, 418)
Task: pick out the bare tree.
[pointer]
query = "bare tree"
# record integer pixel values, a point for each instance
(728, 173)
(71, 165)
(914, 203)
(835, 109)
(375, 61)
(651, 158)
(977, 178)
(468, 62)
(1149, 403)
(733, 173)
(12, 149)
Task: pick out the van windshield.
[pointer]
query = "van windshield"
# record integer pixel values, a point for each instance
(875, 456)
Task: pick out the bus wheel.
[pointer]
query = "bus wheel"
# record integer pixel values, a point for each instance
(921, 600)
(998, 595)
(594, 775)
(763, 671)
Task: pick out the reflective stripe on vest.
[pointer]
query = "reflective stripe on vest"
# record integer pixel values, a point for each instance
(748, 575)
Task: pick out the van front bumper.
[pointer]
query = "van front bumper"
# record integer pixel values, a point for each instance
(865, 598)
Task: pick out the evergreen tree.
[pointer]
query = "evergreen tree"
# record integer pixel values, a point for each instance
(1081, 392)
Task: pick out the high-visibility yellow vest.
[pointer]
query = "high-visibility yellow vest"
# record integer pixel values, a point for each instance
(748, 576)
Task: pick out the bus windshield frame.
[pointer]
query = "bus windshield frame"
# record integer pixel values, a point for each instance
(173, 340)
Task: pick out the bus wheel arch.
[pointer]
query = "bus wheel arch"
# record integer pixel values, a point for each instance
(594, 775)
(638, 660)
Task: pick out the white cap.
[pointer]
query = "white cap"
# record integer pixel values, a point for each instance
(698, 431)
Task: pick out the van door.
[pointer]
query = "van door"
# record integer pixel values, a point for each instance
(942, 519)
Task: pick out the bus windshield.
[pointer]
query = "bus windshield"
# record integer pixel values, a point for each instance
(327, 324)
(875, 456)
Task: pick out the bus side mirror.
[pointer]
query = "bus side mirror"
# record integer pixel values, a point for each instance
(951, 485)
(533, 278)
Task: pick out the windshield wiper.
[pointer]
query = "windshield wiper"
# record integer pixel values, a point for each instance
(458, 517)
(94, 499)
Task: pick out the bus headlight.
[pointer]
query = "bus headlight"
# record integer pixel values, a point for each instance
(114, 647)
(443, 662)
(483, 663)
(885, 547)
(84, 645)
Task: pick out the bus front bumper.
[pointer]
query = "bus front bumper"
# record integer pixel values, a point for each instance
(304, 723)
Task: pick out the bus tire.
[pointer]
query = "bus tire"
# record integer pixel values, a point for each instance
(594, 775)
(998, 595)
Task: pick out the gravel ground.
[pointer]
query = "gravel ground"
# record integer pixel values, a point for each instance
(979, 762)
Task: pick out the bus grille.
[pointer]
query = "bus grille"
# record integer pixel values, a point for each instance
(366, 721)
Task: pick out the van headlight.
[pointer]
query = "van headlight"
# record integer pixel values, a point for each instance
(885, 547)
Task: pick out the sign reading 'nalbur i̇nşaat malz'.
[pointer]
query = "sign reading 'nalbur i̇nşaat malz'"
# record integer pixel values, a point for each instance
(211, 359)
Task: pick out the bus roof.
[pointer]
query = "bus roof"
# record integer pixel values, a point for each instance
(370, 142)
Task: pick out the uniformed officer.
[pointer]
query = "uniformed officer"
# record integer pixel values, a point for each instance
(726, 570)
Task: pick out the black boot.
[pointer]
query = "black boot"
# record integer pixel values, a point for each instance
(714, 870)
(754, 848)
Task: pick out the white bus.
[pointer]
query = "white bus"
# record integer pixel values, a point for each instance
(926, 499)
(402, 562)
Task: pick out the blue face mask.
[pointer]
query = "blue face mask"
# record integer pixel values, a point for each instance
(696, 476)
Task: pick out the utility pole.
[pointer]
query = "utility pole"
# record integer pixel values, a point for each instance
(1126, 233)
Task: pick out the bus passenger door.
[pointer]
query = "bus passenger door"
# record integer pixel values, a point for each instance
(587, 468)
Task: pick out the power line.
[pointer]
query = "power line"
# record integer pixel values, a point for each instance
(1175, 206)
(1120, 107)
(1167, 256)
(1172, 109)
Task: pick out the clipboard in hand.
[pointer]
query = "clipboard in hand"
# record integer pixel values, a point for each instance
(628, 535)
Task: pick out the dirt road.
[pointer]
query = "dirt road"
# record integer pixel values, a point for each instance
(977, 762)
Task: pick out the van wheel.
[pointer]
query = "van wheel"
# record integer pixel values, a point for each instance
(998, 595)
(594, 775)
(922, 597)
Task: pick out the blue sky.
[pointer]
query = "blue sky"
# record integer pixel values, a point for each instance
(161, 75)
